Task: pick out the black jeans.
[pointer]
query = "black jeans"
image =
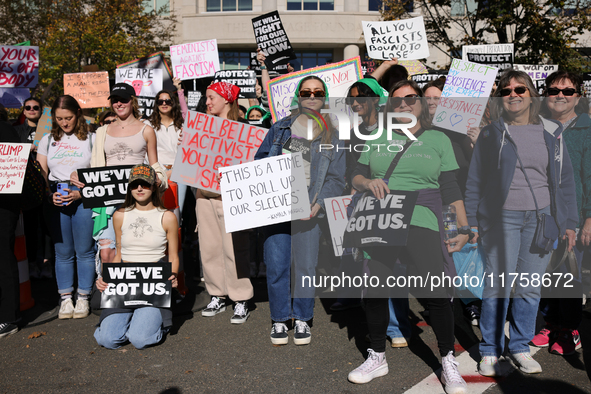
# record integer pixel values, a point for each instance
(423, 256)
(9, 281)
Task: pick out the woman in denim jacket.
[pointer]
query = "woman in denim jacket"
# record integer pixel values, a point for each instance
(325, 173)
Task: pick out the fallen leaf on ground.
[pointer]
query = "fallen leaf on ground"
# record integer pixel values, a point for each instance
(334, 370)
(27, 346)
(122, 350)
(37, 334)
(188, 371)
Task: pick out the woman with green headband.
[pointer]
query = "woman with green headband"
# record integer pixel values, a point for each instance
(257, 115)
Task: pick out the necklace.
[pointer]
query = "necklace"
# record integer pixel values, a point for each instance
(122, 124)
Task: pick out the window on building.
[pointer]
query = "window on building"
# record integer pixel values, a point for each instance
(313, 59)
(234, 60)
(463, 7)
(310, 5)
(156, 5)
(228, 5)
(378, 5)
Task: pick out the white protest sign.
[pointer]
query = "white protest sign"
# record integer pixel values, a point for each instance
(13, 165)
(537, 72)
(263, 192)
(464, 96)
(19, 66)
(146, 82)
(195, 60)
(14, 97)
(405, 39)
(336, 214)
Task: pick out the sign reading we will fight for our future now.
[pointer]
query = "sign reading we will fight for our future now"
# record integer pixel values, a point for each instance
(464, 96)
(210, 142)
(195, 60)
(404, 39)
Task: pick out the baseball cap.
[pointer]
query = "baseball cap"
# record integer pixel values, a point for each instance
(122, 90)
(142, 172)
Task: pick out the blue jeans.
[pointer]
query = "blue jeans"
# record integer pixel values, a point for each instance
(72, 234)
(508, 245)
(142, 327)
(182, 192)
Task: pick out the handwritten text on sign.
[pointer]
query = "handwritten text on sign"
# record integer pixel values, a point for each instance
(19, 66)
(104, 186)
(13, 165)
(405, 39)
(146, 82)
(210, 142)
(195, 60)
(336, 214)
(90, 89)
(264, 192)
(464, 96)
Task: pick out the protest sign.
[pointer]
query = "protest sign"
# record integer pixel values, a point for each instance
(423, 79)
(193, 99)
(537, 72)
(497, 55)
(264, 192)
(404, 39)
(256, 66)
(464, 96)
(134, 285)
(14, 97)
(195, 60)
(368, 67)
(272, 39)
(246, 80)
(104, 186)
(19, 66)
(13, 165)
(382, 222)
(153, 61)
(91, 90)
(146, 82)
(336, 214)
(587, 84)
(210, 142)
(43, 125)
(413, 67)
(337, 76)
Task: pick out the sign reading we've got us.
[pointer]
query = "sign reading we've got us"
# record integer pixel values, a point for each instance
(104, 186)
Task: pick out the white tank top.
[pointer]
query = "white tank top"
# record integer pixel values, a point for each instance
(143, 239)
(126, 150)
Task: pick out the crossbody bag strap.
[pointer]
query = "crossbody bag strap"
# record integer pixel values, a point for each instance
(400, 153)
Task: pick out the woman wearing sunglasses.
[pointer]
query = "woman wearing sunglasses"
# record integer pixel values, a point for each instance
(428, 166)
(297, 242)
(520, 168)
(33, 109)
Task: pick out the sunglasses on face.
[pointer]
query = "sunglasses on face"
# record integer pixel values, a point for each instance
(36, 107)
(108, 121)
(409, 100)
(163, 102)
(359, 98)
(144, 185)
(116, 100)
(315, 93)
(518, 90)
(565, 92)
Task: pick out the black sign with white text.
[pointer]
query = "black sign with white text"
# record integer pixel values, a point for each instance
(246, 80)
(272, 39)
(104, 186)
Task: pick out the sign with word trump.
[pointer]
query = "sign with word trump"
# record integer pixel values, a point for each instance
(13, 165)
(103, 186)
(336, 214)
(91, 90)
(404, 39)
(209, 143)
(19, 66)
(195, 60)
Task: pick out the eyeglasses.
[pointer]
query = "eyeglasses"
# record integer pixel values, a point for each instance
(108, 121)
(165, 101)
(309, 93)
(409, 100)
(565, 92)
(116, 100)
(36, 107)
(359, 98)
(518, 90)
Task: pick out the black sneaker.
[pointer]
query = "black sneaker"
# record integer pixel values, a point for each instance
(279, 334)
(302, 335)
(240, 313)
(7, 329)
(217, 305)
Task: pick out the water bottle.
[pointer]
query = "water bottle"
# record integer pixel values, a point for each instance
(450, 224)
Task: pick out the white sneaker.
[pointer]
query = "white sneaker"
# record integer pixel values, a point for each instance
(399, 342)
(279, 334)
(82, 309)
(489, 366)
(453, 383)
(302, 334)
(66, 309)
(240, 313)
(374, 367)
(525, 362)
(217, 305)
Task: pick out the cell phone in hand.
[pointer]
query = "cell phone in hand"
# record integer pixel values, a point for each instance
(61, 190)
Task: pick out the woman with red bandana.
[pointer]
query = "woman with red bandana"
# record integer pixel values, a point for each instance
(226, 274)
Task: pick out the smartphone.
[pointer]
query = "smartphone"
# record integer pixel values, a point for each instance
(61, 189)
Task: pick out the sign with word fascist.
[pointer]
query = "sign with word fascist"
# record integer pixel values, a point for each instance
(210, 142)
(464, 96)
(272, 39)
(384, 222)
(153, 61)
(336, 214)
(19, 66)
(134, 285)
(195, 60)
(264, 192)
(91, 89)
(497, 55)
(43, 125)
(104, 186)
(146, 83)
(537, 72)
(404, 39)
(246, 80)
(13, 165)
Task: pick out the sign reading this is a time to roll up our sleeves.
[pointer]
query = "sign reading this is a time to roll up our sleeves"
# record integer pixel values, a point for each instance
(404, 39)
(195, 60)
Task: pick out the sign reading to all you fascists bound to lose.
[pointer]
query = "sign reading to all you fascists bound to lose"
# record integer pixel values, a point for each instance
(264, 192)
(336, 214)
(19, 66)
(464, 96)
(246, 80)
(13, 165)
(272, 39)
(134, 285)
(90, 89)
(195, 60)
(210, 142)
(104, 186)
(405, 39)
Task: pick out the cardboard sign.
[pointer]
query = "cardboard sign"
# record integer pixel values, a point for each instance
(153, 61)
(423, 79)
(537, 72)
(195, 60)
(272, 39)
(193, 99)
(104, 186)
(464, 96)
(497, 55)
(336, 214)
(13, 165)
(246, 80)
(210, 142)
(90, 89)
(14, 97)
(43, 125)
(146, 82)
(337, 76)
(264, 192)
(19, 66)
(413, 67)
(134, 285)
(405, 39)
